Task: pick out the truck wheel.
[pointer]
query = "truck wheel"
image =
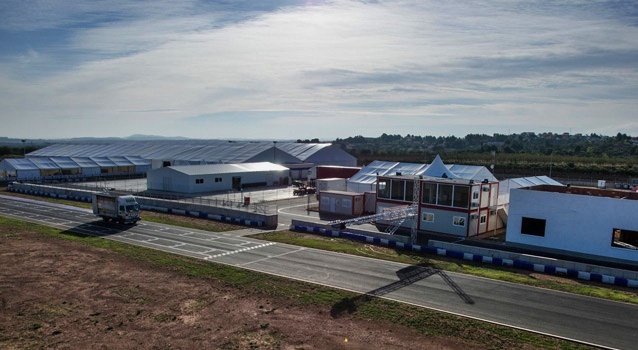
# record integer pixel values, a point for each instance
(105, 219)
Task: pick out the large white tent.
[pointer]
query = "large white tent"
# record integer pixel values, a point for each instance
(207, 152)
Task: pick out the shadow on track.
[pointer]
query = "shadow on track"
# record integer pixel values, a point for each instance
(407, 276)
(97, 229)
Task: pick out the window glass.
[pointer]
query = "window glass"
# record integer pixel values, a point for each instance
(428, 217)
(429, 193)
(625, 239)
(461, 196)
(383, 191)
(398, 189)
(483, 219)
(534, 227)
(445, 195)
(458, 221)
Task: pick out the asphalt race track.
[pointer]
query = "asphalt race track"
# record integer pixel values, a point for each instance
(593, 321)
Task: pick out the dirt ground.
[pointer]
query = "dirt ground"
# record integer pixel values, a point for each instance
(59, 294)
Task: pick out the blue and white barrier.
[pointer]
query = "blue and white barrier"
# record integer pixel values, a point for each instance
(520, 264)
(88, 199)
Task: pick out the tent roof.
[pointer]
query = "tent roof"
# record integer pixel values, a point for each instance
(519, 182)
(65, 163)
(19, 164)
(207, 151)
(368, 174)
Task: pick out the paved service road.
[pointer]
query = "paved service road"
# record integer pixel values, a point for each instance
(594, 321)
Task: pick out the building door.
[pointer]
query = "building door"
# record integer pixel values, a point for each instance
(237, 182)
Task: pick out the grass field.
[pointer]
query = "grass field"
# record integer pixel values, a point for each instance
(298, 294)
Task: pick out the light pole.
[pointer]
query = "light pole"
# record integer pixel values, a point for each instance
(551, 161)
(274, 151)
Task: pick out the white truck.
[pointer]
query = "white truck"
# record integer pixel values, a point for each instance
(122, 209)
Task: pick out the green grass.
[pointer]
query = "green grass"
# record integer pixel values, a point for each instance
(461, 266)
(299, 294)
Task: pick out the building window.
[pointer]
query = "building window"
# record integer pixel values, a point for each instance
(458, 221)
(218, 179)
(346, 203)
(625, 239)
(483, 219)
(461, 197)
(428, 217)
(398, 190)
(429, 193)
(409, 190)
(383, 191)
(199, 181)
(475, 195)
(444, 196)
(534, 227)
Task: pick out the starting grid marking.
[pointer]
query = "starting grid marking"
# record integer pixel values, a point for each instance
(239, 251)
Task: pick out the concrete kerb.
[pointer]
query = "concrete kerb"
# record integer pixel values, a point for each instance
(499, 258)
(165, 206)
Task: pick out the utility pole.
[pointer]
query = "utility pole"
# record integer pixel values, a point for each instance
(24, 149)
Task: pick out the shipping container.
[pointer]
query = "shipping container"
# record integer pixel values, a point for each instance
(340, 202)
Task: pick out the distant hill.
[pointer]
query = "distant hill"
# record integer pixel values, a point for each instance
(142, 137)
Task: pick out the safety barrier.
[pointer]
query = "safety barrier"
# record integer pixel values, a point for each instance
(520, 264)
(86, 196)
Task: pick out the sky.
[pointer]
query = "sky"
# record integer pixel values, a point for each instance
(316, 69)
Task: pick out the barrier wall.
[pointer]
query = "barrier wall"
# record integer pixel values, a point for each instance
(161, 205)
(617, 277)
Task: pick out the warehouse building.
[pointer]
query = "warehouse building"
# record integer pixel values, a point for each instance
(591, 221)
(136, 157)
(216, 177)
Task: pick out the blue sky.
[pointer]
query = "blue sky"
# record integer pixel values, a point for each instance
(316, 69)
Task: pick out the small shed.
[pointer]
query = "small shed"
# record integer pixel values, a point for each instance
(341, 202)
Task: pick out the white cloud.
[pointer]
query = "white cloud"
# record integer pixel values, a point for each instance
(343, 68)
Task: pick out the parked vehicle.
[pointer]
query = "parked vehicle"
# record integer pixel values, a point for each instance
(122, 209)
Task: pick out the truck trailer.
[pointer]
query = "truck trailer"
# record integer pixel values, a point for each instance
(122, 209)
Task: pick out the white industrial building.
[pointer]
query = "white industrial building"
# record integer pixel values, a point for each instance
(216, 177)
(589, 221)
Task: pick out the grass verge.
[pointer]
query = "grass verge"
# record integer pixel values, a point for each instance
(341, 245)
(299, 294)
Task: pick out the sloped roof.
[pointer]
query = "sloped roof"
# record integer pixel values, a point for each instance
(301, 151)
(207, 151)
(506, 185)
(368, 174)
(438, 169)
(206, 169)
(44, 163)
(65, 163)
(19, 164)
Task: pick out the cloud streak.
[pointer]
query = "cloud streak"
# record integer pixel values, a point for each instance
(249, 69)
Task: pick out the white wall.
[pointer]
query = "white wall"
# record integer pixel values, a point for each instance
(577, 223)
